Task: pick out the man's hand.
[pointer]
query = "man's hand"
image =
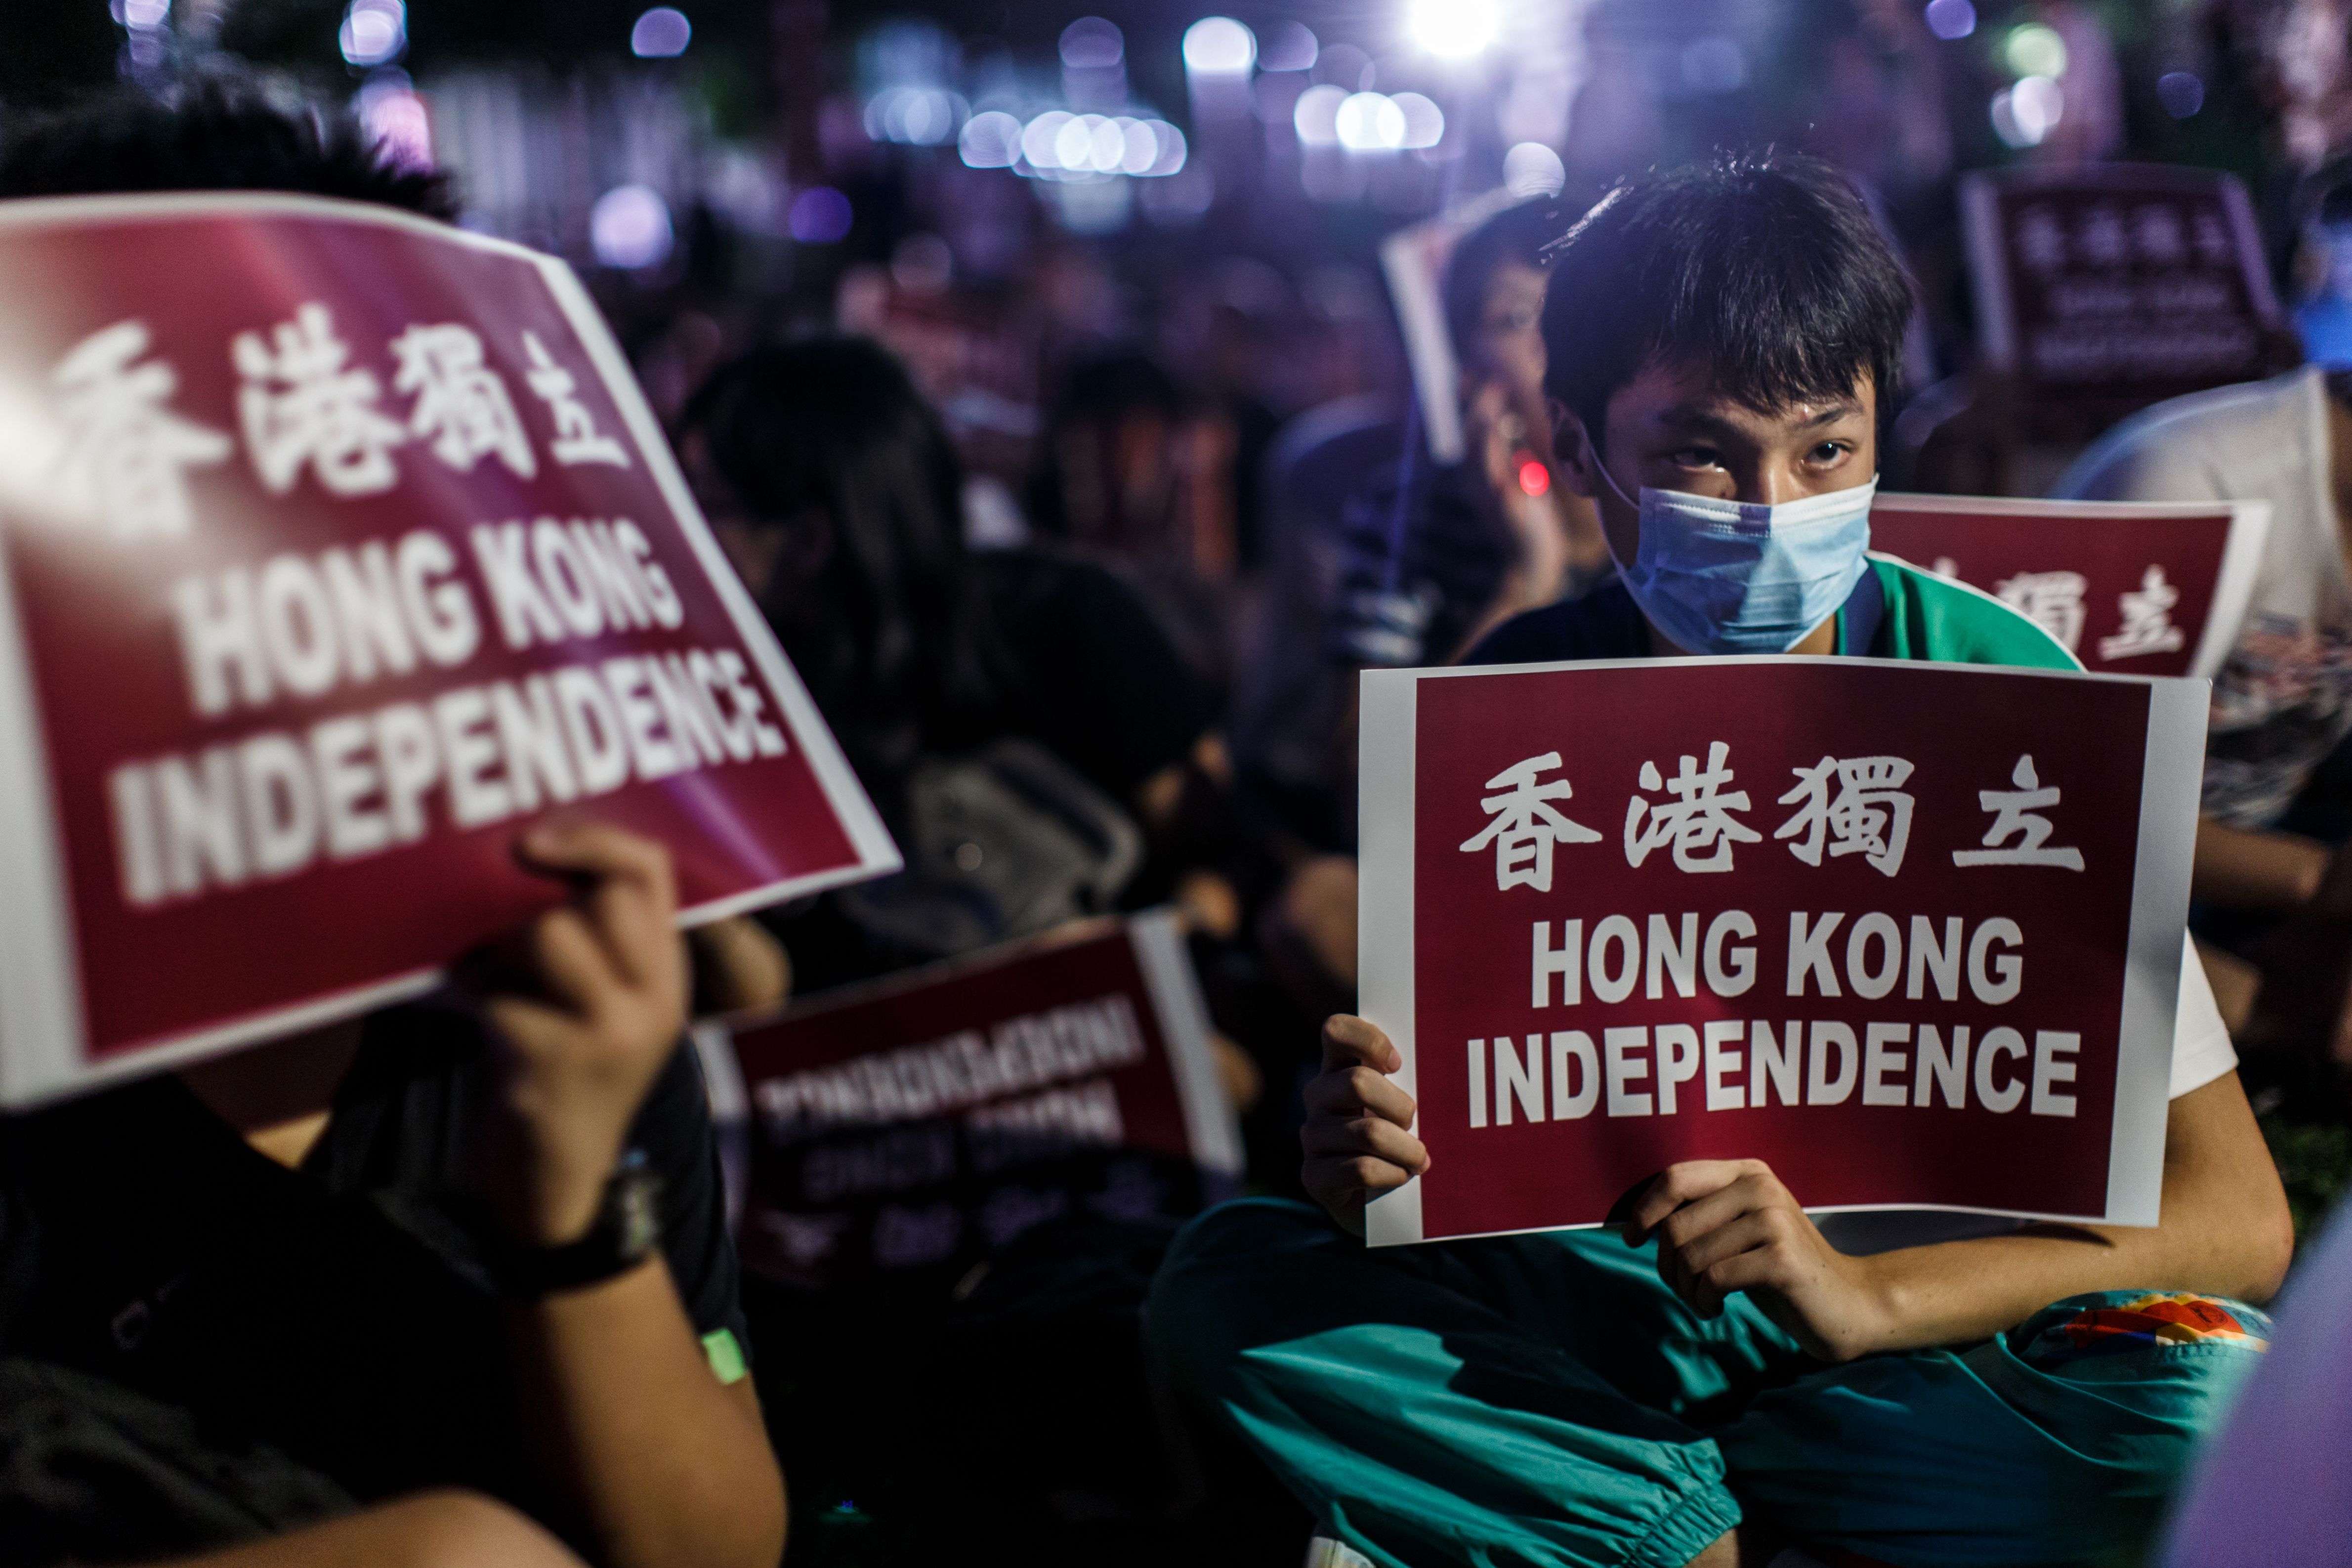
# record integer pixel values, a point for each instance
(1726, 1226)
(1358, 1135)
(585, 1014)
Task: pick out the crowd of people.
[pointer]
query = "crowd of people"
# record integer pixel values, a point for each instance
(452, 1286)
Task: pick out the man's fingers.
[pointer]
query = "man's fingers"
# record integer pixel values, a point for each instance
(1350, 1041)
(570, 848)
(1337, 1178)
(1759, 1227)
(532, 1028)
(1369, 1135)
(1359, 1091)
(1718, 1208)
(630, 893)
(1679, 1185)
(567, 959)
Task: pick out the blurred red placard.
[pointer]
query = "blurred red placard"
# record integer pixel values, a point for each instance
(1909, 934)
(924, 1120)
(2130, 588)
(339, 544)
(2106, 287)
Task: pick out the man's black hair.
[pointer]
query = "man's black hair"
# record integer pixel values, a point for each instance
(1767, 272)
(1523, 233)
(212, 136)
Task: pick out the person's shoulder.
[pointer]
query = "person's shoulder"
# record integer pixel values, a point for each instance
(2202, 446)
(1945, 621)
(1040, 579)
(1602, 624)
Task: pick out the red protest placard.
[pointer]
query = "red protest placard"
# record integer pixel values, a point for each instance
(337, 544)
(1909, 934)
(2107, 286)
(924, 1120)
(2130, 588)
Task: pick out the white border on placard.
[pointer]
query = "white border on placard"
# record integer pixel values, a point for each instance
(1211, 1126)
(2233, 585)
(1386, 732)
(2156, 945)
(40, 976)
(41, 991)
(876, 854)
(2171, 776)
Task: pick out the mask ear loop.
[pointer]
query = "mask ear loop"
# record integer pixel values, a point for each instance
(1592, 455)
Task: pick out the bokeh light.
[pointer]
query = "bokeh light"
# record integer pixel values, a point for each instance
(1454, 29)
(1219, 46)
(1093, 43)
(661, 34)
(2182, 93)
(374, 32)
(1951, 19)
(819, 215)
(2034, 48)
(1370, 123)
(1532, 169)
(629, 228)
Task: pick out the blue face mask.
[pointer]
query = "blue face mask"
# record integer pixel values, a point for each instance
(1726, 576)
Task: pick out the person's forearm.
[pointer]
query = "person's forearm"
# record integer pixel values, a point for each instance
(2225, 1231)
(661, 1465)
(2240, 870)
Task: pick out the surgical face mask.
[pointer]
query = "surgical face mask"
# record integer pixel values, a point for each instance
(1726, 576)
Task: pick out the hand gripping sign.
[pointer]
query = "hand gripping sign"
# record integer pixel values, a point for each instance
(1909, 934)
(2127, 587)
(929, 1118)
(337, 544)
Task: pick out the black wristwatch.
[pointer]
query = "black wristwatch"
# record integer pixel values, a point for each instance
(627, 1231)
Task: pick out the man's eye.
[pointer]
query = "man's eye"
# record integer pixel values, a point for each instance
(1829, 452)
(1695, 457)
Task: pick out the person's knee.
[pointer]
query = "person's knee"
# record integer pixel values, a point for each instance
(1196, 1316)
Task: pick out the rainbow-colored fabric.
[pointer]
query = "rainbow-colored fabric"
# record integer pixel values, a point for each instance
(2129, 1323)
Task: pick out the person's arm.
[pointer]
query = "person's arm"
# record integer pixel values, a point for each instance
(1726, 1226)
(2238, 869)
(656, 1463)
(1555, 535)
(429, 1530)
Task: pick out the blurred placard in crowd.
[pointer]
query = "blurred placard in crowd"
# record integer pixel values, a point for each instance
(2104, 288)
(1910, 934)
(926, 1120)
(1412, 261)
(2130, 588)
(338, 545)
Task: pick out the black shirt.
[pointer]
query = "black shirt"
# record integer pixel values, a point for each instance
(335, 1312)
(1098, 682)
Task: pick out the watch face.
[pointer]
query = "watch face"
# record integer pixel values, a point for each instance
(636, 1213)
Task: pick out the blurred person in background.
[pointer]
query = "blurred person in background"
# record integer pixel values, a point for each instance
(1016, 687)
(1381, 557)
(449, 1286)
(1136, 476)
(2272, 882)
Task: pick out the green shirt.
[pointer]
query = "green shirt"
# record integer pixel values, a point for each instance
(1944, 622)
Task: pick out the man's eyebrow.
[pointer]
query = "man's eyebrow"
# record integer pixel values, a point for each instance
(1696, 418)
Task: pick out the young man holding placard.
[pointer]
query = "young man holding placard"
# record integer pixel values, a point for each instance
(1718, 339)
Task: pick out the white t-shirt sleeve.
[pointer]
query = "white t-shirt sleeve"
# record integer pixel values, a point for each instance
(2201, 1051)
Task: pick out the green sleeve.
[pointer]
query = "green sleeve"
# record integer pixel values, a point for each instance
(1944, 622)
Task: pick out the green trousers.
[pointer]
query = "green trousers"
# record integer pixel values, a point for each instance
(1545, 1399)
